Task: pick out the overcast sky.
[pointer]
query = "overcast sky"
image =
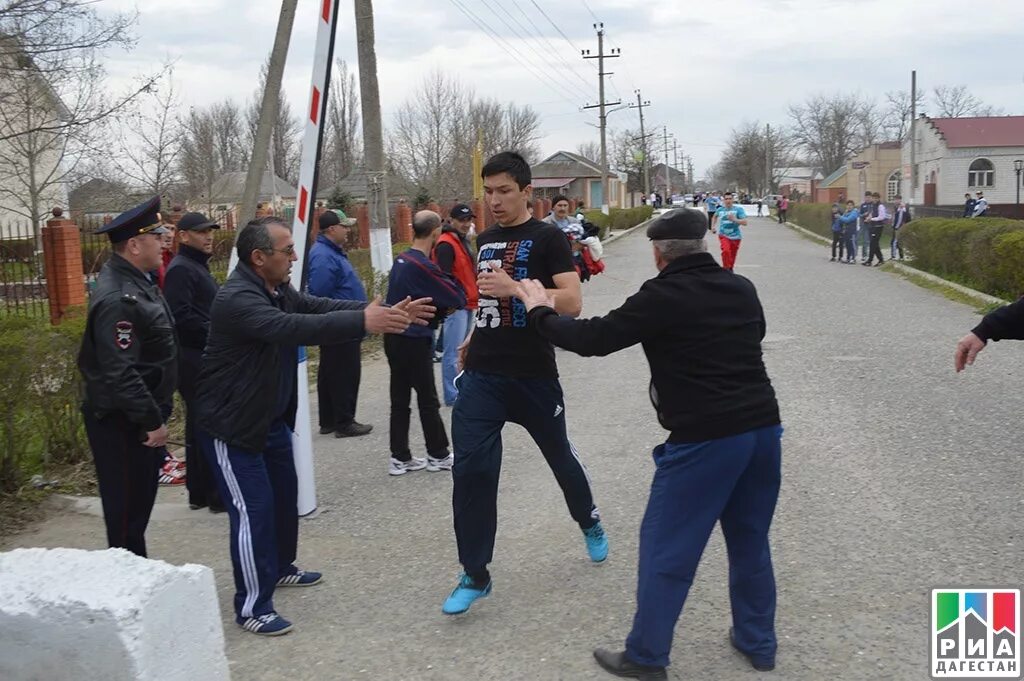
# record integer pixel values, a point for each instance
(704, 70)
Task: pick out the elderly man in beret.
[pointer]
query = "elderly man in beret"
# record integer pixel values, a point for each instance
(701, 328)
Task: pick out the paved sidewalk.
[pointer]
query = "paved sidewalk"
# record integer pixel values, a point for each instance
(899, 476)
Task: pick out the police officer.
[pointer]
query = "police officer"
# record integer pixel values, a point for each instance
(129, 362)
(189, 288)
(701, 328)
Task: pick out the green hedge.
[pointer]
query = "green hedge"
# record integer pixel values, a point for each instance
(984, 253)
(619, 218)
(815, 217)
(40, 388)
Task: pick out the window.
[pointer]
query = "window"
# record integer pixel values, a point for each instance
(892, 185)
(981, 174)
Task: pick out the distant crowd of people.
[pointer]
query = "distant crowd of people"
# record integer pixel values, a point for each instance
(865, 224)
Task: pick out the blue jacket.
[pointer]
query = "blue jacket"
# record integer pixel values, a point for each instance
(849, 220)
(331, 275)
(415, 275)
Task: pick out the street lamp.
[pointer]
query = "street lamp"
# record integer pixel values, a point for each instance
(1018, 167)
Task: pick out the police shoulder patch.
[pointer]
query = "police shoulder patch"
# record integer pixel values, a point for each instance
(123, 334)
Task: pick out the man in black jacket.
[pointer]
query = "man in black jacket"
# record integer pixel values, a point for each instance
(701, 328)
(1006, 323)
(247, 400)
(189, 289)
(128, 360)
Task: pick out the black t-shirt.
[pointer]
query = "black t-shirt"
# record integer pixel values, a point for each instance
(503, 342)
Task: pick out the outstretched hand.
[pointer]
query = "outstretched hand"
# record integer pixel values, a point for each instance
(966, 351)
(380, 319)
(420, 311)
(533, 294)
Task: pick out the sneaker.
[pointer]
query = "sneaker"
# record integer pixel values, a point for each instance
(464, 595)
(396, 467)
(270, 624)
(170, 475)
(300, 578)
(445, 464)
(597, 543)
(354, 429)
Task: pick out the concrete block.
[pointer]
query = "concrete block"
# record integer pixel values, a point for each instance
(71, 615)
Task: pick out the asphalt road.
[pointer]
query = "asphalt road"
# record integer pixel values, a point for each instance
(899, 476)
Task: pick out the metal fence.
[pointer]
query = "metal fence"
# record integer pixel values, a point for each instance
(22, 272)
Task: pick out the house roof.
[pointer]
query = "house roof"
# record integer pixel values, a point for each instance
(567, 164)
(798, 173)
(989, 131)
(229, 187)
(834, 177)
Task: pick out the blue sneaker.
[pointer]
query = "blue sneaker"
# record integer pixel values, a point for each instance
(464, 595)
(597, 543)
(270, 624)
(300, 578)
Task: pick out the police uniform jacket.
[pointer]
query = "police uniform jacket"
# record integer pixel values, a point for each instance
(701, 328)
(128, 356)
(250, 330)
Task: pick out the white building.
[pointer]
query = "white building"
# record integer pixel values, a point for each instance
(956, 156)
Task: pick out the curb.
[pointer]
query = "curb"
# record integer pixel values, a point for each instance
(625, 233)
(960, 288)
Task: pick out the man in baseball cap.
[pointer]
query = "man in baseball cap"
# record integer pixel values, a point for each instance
(331, 275)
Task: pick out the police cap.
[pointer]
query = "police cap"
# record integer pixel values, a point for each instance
(679, 223)
(143, 219)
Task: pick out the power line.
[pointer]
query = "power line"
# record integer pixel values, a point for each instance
(556, 27)
(551, 46)
(587, 5)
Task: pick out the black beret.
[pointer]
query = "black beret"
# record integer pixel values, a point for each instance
(679, 223)
(143, 219)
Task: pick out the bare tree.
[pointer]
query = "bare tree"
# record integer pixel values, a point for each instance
(285, 147)
(957, 102)
(211, 145)
(147, 140)
(744, 165)
(897, 113)
(341, 143)
(629, 153)
(589, 150)
(830, 128)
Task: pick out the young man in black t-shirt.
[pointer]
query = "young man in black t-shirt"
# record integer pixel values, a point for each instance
(510, 376)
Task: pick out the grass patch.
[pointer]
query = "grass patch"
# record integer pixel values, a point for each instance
(979, 305)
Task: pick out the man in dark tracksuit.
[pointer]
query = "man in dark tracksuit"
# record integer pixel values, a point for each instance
(189, 288)
(1006, 323)
(247, 400)
(864, 227)
(410, 355)
(701, 328)
(128, 359)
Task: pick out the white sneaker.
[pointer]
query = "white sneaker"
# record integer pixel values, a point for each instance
(396, 467)
(445, 464)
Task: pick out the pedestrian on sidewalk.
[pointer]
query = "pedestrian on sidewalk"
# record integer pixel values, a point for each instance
(128, 361)
(728, 219)
(863, 228)
(877, 217)
(783, 209)
(849, 221)
(838, 241)
(331, 275)
(721, 462)
(968, 206)
(900, 216)
(454, 255)
(511, 376)
(414, 275)
(189, 289)
(247, 399)
(980, 205)
(760, 204)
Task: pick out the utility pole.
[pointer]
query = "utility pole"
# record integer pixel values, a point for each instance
(668, 167)
(640, 106)
(373, 139)
(675, 161)
(689, 174)
(913, 136)
(768, 158)
(268, 111)
(601, 73)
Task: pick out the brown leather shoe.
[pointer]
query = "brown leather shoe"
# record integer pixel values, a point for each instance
(619, 665)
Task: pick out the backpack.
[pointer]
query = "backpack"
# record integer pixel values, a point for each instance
(593, 266)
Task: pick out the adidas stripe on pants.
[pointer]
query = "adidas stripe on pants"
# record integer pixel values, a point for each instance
(260, 492)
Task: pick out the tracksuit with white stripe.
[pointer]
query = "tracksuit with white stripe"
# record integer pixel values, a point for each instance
(246, 400)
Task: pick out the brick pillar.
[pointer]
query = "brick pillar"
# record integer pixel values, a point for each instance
(62, 257)
(546, 205)
(363, 217)
(434, 206)
(403, 222)
(478, 210)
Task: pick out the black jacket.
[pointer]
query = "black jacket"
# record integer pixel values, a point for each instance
(128, 355)
(701, 329)
(1006, 323)
(239, 381)
(189, 289)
